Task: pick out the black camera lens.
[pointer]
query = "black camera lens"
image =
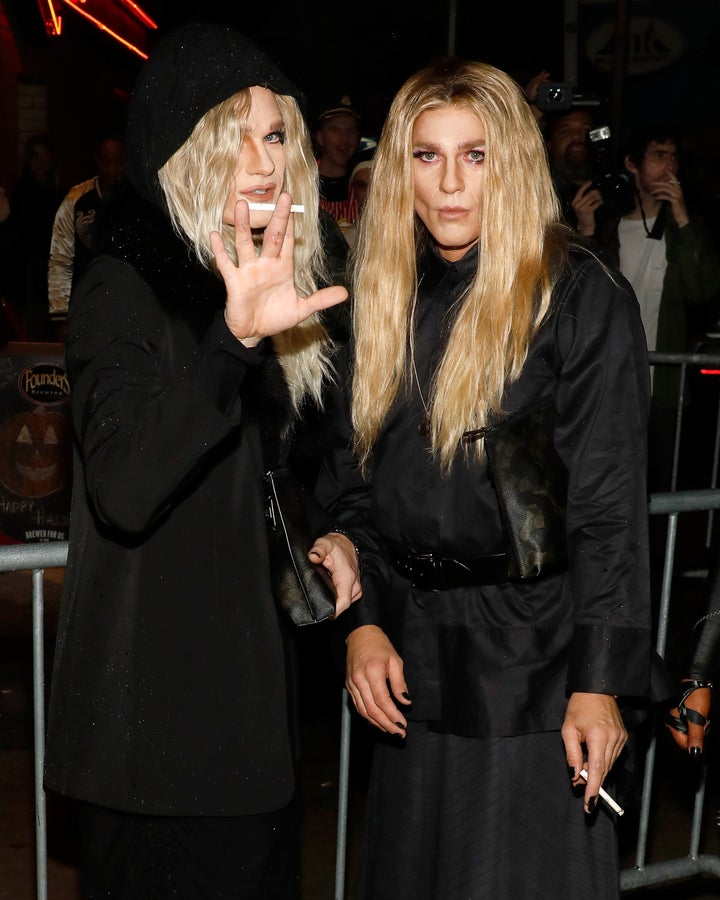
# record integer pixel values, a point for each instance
(555, 96)
(617, 190)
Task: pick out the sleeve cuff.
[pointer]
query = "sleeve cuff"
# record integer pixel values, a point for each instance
(607, 660)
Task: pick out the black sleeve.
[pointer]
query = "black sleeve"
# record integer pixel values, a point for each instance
(705, 639)
(146, 423)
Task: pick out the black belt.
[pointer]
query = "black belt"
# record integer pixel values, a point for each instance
(443, 573)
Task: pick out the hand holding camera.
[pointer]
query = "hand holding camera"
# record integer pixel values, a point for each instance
(585, 203)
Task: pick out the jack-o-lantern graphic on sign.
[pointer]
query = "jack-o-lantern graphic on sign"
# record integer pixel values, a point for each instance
(34, 452)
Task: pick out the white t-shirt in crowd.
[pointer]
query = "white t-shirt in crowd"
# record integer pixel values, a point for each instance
(644, 263)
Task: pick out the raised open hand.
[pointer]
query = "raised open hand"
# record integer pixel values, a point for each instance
(261, 296)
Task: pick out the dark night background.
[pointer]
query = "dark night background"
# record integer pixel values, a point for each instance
(328, 48)
(666, 68)
(368, 49)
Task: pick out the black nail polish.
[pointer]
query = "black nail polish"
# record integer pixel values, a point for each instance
(406, 695)
(592, 803)
(695, 753)
(571, 773)
(400, 725)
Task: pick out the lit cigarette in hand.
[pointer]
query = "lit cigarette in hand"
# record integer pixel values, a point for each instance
(270, 207)
(605, 796)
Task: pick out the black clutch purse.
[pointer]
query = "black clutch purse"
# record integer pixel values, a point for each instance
(302, 589)
(530, 481)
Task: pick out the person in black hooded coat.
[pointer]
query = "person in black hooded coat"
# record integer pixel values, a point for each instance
(193, 340)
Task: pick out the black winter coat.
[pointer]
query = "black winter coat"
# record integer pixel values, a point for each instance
(169, 693)
(501, 660)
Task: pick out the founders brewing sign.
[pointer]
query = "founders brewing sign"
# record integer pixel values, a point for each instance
(35, 443)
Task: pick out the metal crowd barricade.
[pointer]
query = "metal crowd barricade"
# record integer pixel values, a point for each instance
(695, 863)
(683, 361)
(37, 557)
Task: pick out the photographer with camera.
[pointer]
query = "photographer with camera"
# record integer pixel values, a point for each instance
(578, 150)
(638, 218)
(667, 253)
(579, 157)
(663, 249)
(566, 138)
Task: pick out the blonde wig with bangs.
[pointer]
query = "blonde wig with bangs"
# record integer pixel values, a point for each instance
(522, 245)
(195, 182)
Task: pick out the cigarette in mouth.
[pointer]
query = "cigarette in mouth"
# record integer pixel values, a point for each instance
(605, 796)
(269, 207)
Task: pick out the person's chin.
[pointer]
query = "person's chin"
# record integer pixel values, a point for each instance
(453, 244)
(259, 220)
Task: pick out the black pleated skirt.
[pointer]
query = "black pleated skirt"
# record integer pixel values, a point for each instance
(455, 818)
(133, 857)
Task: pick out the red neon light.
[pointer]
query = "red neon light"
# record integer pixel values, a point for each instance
(51, 20)
(107, 30)
(56, 19)
(140, 13)
(710, 371)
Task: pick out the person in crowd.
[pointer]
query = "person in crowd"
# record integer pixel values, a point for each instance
(73, 233)
(34, 200)
(193, 338)
(667, 253)
(359, 183)
(491, 694)
(573, 167)
(567, 138)
(337, 141)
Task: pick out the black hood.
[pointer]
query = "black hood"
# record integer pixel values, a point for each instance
(190, 70)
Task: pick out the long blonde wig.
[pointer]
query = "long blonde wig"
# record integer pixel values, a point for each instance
(521, 244)
(196, 180)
